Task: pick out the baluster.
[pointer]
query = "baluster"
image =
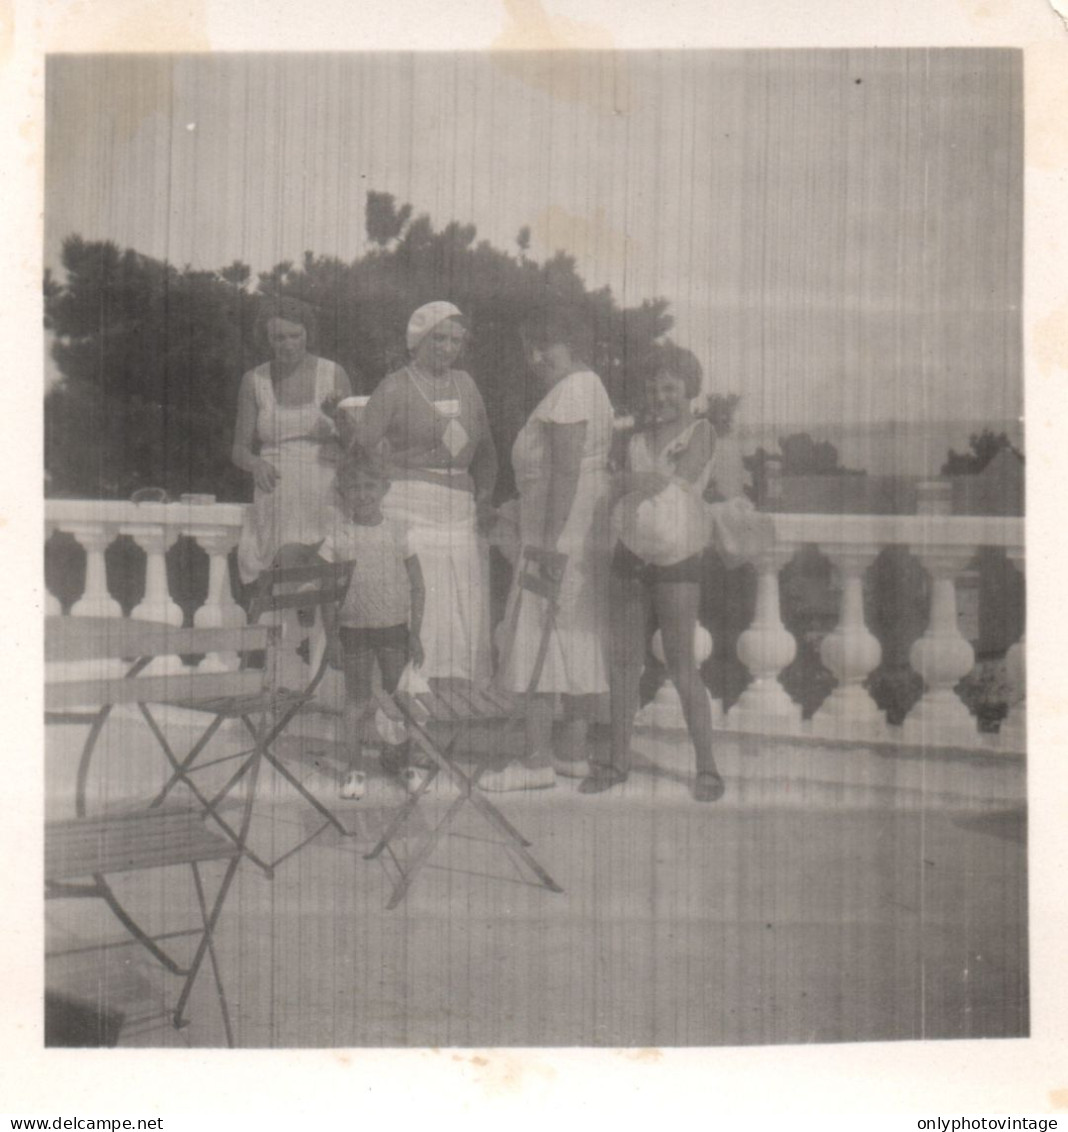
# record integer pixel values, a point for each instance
(942, 656)
(664, 711)
(219, 609)
(1012, 735)
(95, 600)
(766, 648)
(157, 605)
(851, 652)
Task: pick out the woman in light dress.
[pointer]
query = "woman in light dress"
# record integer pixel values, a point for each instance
(287, 442)
(429, 422)
(560, 460)
(662, 527)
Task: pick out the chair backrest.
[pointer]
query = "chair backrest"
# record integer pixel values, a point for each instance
(300, 587)
(88, 639)
(540, 572)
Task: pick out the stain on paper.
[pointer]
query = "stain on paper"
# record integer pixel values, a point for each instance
(133, 26)
(548, 52)
(1058, 1099)
(1046, 103)
(649, 1056)
(1049, 340)
(531, 28)
(503, 1074)
(7, 28)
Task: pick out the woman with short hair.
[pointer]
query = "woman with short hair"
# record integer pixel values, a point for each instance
(286, 442)
(560, 460)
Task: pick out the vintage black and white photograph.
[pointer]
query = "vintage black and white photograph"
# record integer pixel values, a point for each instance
(535, 548)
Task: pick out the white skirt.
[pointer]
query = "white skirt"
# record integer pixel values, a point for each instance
(455, 564)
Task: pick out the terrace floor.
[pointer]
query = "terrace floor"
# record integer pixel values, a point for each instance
(835, 894)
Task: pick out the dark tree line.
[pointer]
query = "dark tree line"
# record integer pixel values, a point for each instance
(151, 354)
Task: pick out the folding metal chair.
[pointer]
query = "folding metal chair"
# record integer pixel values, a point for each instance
(452, 707)
(100, 846)
(277, 591)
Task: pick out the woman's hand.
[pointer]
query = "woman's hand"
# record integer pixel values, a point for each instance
(645, 484)
(485, 514)
(323, 429)
(265, 474)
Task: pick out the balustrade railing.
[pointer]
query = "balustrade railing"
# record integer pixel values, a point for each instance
(944, 545)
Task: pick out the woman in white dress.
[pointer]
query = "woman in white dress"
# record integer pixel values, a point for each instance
(286, 441)
(429, 422)
(560, 460)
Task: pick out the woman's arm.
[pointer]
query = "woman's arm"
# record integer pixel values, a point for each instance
(377, 415)
(264, 473)
(418, 599)
(697, 455)
(484, 465)
(566, 442)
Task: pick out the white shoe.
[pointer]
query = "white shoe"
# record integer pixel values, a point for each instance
(413, 777)
(518, 776)
(571, 768)
(354, 785)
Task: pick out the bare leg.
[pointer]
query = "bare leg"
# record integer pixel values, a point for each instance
(359, 663)
(578, 711)
(391, 662)
(676, 608)
(539, 730)
(630, 610)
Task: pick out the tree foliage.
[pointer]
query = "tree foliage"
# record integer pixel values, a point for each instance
(799, 455)
(983, 447)
(152, 354)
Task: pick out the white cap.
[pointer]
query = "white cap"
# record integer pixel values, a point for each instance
(426, 318)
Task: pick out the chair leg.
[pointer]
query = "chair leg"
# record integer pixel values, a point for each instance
(207, 939)
(210, 805)
(105, 892)
(206, 942)
(306, 794)
(265, 742)
(422, 854)
(181, 768)
(220, 990)
(402, 815)
(489, 812)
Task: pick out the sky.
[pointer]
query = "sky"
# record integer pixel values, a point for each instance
(838, 232)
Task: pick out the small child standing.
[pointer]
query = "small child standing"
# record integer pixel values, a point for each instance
(381, 616)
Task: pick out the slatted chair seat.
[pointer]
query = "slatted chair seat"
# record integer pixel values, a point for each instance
(129, 842)
(235, 707)
(90, 848)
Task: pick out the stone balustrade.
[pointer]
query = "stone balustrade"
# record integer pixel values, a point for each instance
(944, 545)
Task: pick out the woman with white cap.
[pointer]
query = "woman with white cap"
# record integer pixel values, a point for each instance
(429, 421)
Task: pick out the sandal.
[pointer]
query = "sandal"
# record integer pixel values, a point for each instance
(354, 786)
(602, 778)
(708, 786)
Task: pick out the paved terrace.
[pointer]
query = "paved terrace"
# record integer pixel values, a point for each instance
(838, 893)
